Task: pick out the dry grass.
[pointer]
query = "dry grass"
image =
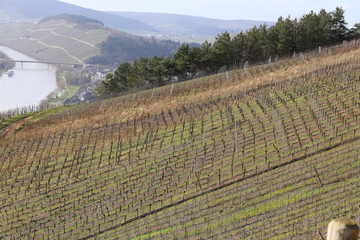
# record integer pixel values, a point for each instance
(191, 93)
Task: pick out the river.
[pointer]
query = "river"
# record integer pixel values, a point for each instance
(29, 85)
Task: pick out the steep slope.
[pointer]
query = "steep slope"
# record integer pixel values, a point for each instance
(266, 153)
(38, 9)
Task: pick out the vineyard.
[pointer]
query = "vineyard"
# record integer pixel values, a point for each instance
(53, 40)
(266, 152)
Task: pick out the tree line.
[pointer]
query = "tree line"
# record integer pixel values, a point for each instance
(286, 37)
(120, 47)
(81, 22)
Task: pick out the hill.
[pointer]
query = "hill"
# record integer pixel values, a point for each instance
(192, 28)
(76, 39)
(267, 152)
(179, 27)
(176, 27)
(30, 11)
(59, 39)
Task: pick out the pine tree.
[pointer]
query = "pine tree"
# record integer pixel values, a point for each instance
(339, 31)
(285, 37)
(222, 51)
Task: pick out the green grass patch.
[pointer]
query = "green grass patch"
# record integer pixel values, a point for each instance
(5, 122)
(66, 94)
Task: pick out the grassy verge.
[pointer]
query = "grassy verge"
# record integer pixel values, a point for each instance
(5, 122)
(67, 93)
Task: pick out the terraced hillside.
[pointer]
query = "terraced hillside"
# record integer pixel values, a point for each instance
(58, 40)
(269, 152)
(77, 40)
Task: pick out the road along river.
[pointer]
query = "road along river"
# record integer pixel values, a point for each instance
(29, 85)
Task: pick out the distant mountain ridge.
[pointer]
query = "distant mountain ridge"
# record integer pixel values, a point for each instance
(38, 9)
(139, 23)
(191, 25)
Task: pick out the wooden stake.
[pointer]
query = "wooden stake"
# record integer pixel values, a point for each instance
(317, 174)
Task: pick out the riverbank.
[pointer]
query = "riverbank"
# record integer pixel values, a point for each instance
(64, 91)
(6, 63)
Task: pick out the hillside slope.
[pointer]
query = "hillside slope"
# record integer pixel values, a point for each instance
(58, 40)
(269, 152)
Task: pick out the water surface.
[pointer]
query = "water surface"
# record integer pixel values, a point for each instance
(29, 85)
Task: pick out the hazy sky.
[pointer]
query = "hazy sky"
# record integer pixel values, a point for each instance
(227, 9)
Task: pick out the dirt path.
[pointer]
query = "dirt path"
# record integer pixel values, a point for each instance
(75, 39)
(66, 88)
(58, 47)
(60, 35)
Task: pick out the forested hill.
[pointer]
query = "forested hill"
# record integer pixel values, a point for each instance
(81, 22)
(286, 38)
(120, 47)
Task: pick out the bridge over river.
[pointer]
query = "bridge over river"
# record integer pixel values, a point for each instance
(77, 65)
